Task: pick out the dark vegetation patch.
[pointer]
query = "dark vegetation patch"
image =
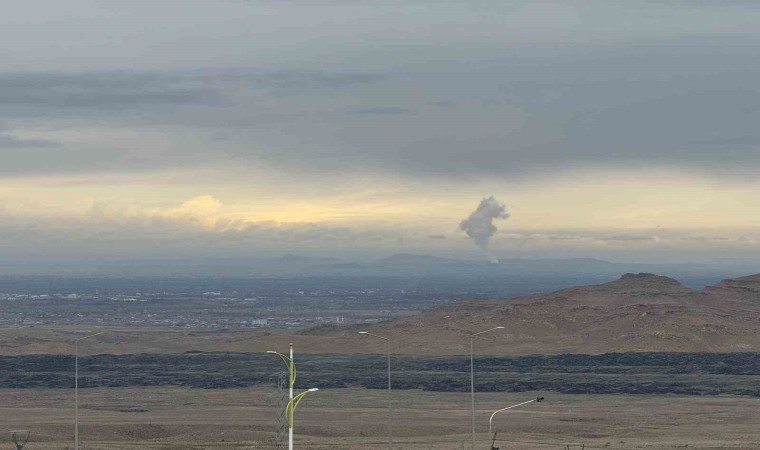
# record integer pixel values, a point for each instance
(624, 373)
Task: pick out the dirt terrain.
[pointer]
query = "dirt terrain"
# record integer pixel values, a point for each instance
(638, 312)
(182, 418)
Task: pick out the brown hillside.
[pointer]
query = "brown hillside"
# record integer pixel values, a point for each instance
(638, 312)
(743, 291)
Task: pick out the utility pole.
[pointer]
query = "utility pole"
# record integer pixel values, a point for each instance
(390, 409)
(472, 379)
(76, 387)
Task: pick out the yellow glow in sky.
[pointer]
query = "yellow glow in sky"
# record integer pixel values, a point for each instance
(590, 201)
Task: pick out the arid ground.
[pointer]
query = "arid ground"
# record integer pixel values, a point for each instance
(178, 389)
(184, 418)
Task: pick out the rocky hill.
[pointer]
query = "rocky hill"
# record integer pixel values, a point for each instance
(638, 312)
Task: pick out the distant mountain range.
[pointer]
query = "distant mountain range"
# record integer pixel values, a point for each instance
(407, 261)
(459, 277)
(549, 273)
(434, 264)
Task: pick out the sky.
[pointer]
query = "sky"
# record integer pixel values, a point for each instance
(199, 129)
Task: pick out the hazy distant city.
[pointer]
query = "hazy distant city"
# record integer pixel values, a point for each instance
(309, 293)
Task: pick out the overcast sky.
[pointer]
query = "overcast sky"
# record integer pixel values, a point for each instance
(618, 130)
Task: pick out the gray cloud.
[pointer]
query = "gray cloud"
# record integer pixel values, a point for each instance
(731, 141)
(676, 87)
(180, 105)
(10, 141)
(380, 110)
(139, 91)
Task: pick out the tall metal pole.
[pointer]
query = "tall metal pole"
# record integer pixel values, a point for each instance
(293, 404)
(390, 395)
(390, 416)
(290, 397)
(472, 380)
(490, 420)
(76, 388)
(472, 391)
(291, 365)
(76, 395)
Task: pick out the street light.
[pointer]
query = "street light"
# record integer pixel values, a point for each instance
(76, 387)
(390, 415)
(537, 399)
(291, 408)
(291, 365)
(472, 379)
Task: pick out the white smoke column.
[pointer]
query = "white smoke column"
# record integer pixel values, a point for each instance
(479, 226)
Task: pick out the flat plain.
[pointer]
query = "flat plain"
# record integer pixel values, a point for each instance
(189, 418)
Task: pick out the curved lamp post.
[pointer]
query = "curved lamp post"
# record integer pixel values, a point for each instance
(472, 379)
(291, 365)
(537, 399)
(76, 387)
(291, 408)
(390, 415)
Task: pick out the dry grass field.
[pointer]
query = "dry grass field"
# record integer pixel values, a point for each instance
(183, 418)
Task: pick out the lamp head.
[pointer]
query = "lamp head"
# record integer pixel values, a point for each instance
(363, 332)
(499, 328)
(271, 351)
(313, 389)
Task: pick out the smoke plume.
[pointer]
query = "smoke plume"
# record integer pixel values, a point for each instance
(479, 225)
